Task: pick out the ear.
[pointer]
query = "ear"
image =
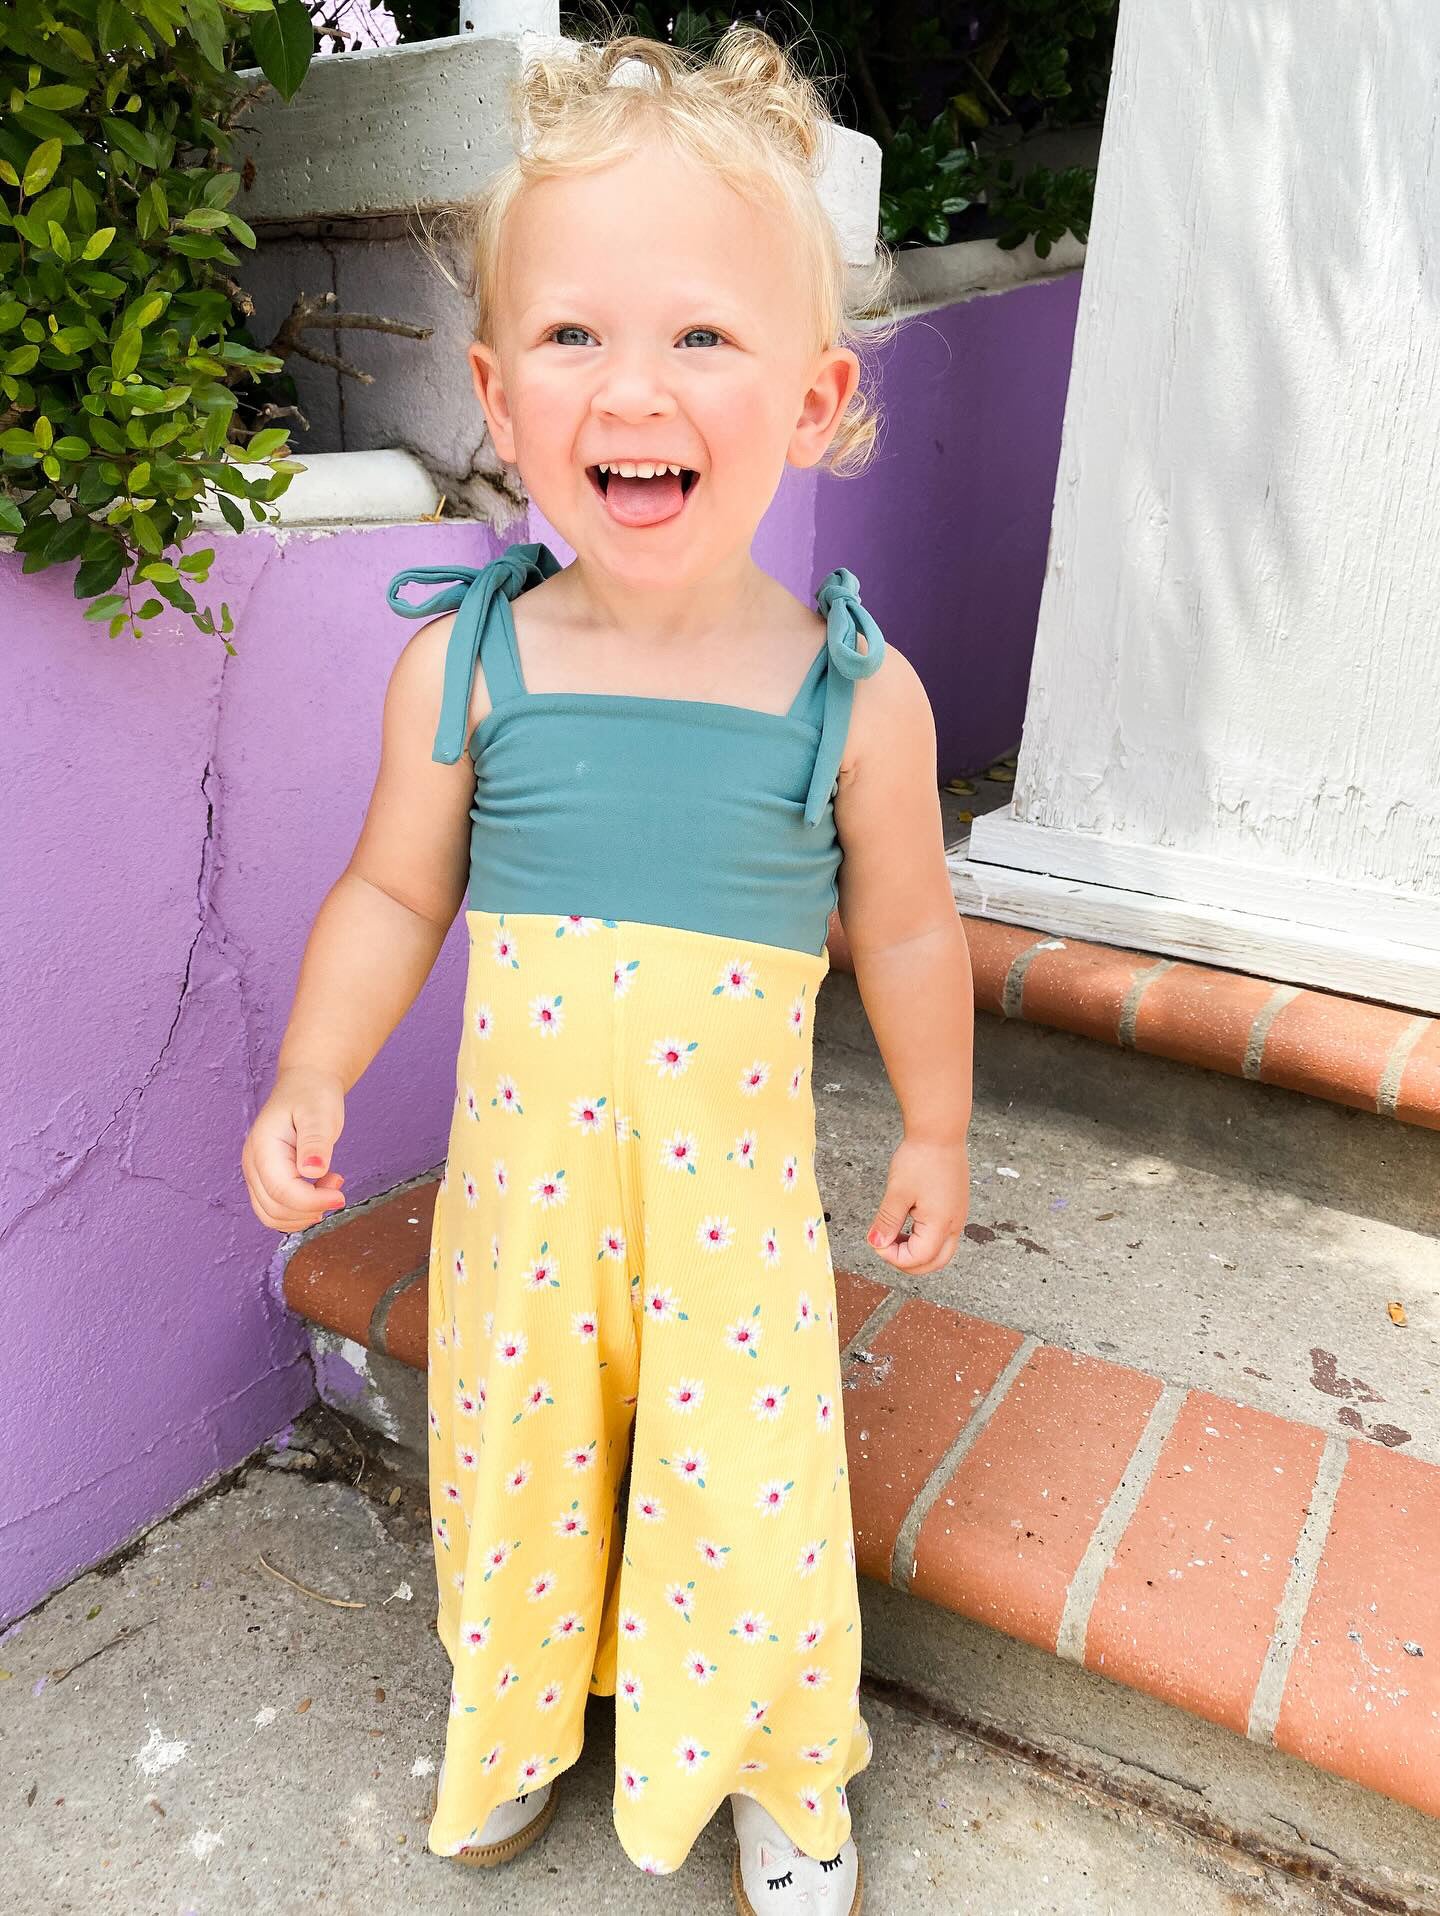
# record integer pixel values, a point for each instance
(833, 380)
(490, 391)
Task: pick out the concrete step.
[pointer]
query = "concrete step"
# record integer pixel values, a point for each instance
(245, 1709)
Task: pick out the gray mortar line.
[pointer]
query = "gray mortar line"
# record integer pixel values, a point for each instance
(1129, 1011)
(902, 1557)
(1389, 1091)
(1012, 993)
(1290, 1612)
(887, 1308)
(380, 1317)
(1281, 996)
(1114, 1520)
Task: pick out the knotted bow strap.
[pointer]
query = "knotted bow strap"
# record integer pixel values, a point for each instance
(472, 592)
(846, 620)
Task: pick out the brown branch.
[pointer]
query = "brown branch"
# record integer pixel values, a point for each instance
(317, 311)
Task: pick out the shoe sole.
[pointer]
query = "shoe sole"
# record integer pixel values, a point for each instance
(747, 1908)
(487, 1855)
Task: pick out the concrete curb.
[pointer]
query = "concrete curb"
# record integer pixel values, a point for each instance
(1248, 1568)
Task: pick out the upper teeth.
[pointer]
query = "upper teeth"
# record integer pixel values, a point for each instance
(627, 470)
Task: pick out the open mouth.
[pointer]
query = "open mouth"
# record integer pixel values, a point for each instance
(642, 492)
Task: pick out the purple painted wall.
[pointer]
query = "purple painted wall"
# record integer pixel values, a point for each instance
(947, 530)
(174, 819)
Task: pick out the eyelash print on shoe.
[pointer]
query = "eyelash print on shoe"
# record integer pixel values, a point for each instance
(834, 1863)
(780, 1882)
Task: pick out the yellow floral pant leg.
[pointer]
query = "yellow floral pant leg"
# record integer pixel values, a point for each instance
(630, 1262)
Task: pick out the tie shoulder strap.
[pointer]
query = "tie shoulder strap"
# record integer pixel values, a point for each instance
(472, 592)
(846, 622)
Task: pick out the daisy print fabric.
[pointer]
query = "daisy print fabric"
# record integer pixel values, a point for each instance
(638, 1477)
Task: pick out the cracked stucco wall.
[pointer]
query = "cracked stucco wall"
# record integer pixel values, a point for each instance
(174, 820)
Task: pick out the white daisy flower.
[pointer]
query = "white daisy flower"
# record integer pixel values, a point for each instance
(690, 1464)
(789, 1173)
(804, 1312)
(754, 1078)
(632, 1782)
(503, 948)
(650, 1509)
(680, 1598)
(814, 1226)
(519, 1477)
(541, 1586)
(475, 1636)
(679, 1151)
(483, 1022)
(575, 927)
(589, 1115)
(810, 1636)
(506, 1680)
(737, 980)
(507, 1093)
(581, 1457)
(549, 1696)
(612, 1245)
(467, 1402)
(699, 1668)
(796, 1015)
(624, 977)
(472, 1103)
(743, 1335)
(632, 1625)
(824, 1413)
(511, 1347)
(770, 1247)
(771, 1497)
(671, 1056)
(714, 1233)
(661, 1305)
(584, 1326)
(629, 1687)
(468, 1458)
(528, 1774)
(570, 1523)
(715, 1554)
(743, 1149)
(769, 1401)
(547, 1016)
(457, 1267)
(686, 1394)
(549, 1191)
(501, 1176)
(792, 1090)
(751, 1626)
(540, 1275)
(810, 1800)
(471, 1190)
(493, 1757)
(814, 1678)
(688, 1753)
(751, 1765)
(808, 1561)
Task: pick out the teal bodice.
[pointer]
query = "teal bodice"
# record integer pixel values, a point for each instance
(684, 812)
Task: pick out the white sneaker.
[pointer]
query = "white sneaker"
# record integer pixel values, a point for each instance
(510, 1827)
(771, 1877)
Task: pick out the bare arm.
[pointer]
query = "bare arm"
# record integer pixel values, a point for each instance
(373, 943)
(912, 965)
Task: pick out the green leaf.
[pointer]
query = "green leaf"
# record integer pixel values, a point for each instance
(19, 359)
(98, 242)
(264, 443)
(284, 41)
(130, 139)
(40, 168)
(59, 244)
(126, 355)
(10, 516)
(102, 607)
(71, 447)
(58, 97)
(245, 234)
(231, 513)
(208, 26)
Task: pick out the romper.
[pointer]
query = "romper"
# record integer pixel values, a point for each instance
(638, 1481)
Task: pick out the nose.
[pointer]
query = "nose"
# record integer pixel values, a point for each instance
(633, 389)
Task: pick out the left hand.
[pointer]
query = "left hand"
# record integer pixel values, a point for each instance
(933, 1181)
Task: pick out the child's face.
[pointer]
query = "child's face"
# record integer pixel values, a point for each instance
(650, 314)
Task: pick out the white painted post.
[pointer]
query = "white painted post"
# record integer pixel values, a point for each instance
(1232, 743)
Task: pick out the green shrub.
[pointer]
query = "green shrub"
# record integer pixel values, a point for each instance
(122, 336)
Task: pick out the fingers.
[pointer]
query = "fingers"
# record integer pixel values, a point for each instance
(927, 1246)
(284, 1197)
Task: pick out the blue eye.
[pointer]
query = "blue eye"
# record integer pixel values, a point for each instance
(577, 335)
(707, 336)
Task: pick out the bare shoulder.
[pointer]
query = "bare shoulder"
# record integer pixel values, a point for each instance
(891, 715)
(417, 681)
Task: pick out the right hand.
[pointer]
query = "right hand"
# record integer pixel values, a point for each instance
(286, 1157)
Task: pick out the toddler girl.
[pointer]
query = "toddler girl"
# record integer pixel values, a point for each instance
(651, 767)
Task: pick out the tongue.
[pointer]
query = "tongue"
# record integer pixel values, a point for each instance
(644, 502)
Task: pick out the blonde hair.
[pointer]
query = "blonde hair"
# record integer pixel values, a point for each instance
(747, 113)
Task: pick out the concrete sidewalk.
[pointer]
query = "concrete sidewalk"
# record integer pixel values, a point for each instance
(243, 1746)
